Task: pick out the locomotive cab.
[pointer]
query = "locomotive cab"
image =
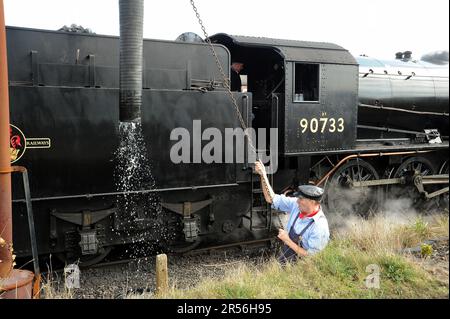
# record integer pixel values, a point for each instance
(263, 75)
(308, 90)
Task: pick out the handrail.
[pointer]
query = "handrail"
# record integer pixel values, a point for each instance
(31, 226)
(247, 110)
(381, 107)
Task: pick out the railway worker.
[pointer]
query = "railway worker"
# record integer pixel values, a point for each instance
(307, 229)
(236, 83)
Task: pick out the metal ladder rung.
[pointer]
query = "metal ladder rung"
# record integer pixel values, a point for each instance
(258, 191)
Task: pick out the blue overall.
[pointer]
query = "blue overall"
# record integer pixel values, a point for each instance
(288, 254)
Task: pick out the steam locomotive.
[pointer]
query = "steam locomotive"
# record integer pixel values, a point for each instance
(355, 126)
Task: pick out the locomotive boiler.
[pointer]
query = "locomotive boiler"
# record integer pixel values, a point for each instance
(405, 94)
(353, 126)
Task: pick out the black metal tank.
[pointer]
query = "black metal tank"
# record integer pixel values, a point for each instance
(403, 94)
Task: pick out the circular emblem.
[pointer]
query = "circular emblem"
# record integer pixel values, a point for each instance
(17, 143)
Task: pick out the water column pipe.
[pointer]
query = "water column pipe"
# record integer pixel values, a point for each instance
(5, 159)
(14, 284)
(131, 55)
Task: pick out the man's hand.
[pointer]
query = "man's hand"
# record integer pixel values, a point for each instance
(283, 235)
(269, 194)
(259, 168)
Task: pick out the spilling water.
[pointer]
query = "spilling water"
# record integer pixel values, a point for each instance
(138, 217)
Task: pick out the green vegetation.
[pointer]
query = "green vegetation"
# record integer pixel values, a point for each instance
(426, 250)
(340, 270)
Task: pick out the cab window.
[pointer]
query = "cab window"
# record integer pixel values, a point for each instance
(306, 80)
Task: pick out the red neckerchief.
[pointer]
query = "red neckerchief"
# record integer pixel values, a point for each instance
(303, 215)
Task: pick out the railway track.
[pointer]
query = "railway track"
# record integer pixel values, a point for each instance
(242, 246)
(246, 246)
(118, 279)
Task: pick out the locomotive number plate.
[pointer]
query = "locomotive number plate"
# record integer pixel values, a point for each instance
(322, 125)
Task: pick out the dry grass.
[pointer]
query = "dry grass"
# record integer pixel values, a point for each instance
(382, 234)
(341, 269)
(51, 289)
(337, 272)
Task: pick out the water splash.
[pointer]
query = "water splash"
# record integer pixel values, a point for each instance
(138, 217)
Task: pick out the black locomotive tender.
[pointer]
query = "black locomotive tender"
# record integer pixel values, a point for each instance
(345, 124)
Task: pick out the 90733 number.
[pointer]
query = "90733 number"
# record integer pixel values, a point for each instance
(322, 125)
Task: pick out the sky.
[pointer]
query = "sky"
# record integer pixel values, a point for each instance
(377, 28)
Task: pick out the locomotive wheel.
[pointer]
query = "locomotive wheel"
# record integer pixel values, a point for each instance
(410, 167)
(444, 199)
(341, 198)
(184, 247)
(86, 261)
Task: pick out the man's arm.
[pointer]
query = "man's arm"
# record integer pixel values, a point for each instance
(268, 192)
(298, 250)
(284, 236)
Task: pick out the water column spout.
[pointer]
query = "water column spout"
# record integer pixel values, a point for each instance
(5, 159)
(131, 55)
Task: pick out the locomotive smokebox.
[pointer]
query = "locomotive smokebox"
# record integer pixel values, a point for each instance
(131, 54)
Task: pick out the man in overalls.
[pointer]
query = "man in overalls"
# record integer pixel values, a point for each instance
(307, 229)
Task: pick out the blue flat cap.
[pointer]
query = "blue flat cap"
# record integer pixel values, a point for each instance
(310, 192)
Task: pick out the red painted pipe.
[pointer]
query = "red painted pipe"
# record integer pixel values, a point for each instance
(5, 158)
(14, 284)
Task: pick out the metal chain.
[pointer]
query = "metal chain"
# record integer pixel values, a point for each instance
(233, 99)
(226, 81)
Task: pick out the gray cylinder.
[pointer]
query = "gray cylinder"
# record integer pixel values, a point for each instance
(131, 55)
